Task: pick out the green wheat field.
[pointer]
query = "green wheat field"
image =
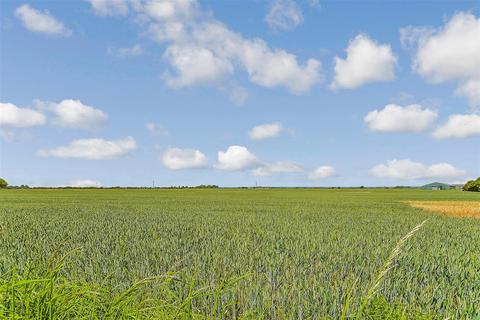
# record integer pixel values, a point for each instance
(236, 254)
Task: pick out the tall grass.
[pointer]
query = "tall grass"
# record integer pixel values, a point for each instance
(388, 266)
(51, 296)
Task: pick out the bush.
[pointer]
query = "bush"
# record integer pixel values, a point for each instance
(472, 185)
(3, 183)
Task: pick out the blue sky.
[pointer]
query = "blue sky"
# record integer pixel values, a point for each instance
(280, 93)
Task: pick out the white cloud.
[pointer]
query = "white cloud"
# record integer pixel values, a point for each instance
(177, 159)
(409, 170)
(109, 7)
(395, 118)
(74, 114)
(41, 21)
(171, 10)
(132, 51)
(236, 158)
(278, 167)
(86, 183)
(81, 183)
(458, 126)
(195, 65)
(277, 68)
(203, 51)
(92, 149)
(322, 172)
(13, 116)
(265, 131)
(366, 62)
(471, 90)
(451, 52)
(284, 15)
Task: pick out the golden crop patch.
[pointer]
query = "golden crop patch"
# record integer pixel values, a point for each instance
(451, 208)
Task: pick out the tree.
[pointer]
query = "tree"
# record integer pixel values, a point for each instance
(3, 183)
(472, 185)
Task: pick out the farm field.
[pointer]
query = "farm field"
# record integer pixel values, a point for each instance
(289, 253)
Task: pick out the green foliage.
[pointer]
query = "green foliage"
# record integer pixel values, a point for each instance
(380, 309)
(49, 295)
(52, 296)
(472, 185)
(300, 249)
(3, 183)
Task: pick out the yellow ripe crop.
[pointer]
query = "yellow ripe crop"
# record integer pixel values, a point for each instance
(451, 208)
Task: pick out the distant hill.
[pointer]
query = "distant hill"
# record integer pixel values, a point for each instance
(436, 186)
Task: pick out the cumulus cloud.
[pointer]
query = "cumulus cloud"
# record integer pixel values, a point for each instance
(201, 50)
(458, 126)
(92, 149)
(409, 170)
(278, 167)
(109, 7)
(71, 113)
(284, 15)
(13, 116)
(222, 50)
(471, 90)
(195, 65)
(177, 159)
(395, 118)
(265, 131)
(41, 21)
(451, 52)
(236, 158)
(322, 172)
(367, 61)
(278, 68)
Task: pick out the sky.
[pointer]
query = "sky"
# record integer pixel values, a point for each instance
(239, 93)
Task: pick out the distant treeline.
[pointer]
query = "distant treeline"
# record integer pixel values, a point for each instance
(208, 186)
(202, 186)
(23, 186)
